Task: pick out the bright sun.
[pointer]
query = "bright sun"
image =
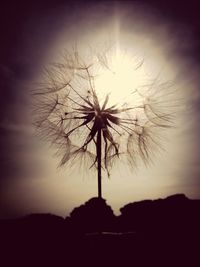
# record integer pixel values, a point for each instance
(120, 78)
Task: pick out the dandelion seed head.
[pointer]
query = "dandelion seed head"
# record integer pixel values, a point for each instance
(112, 94)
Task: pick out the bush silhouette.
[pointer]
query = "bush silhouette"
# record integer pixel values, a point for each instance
(175, 213)
(95, 215)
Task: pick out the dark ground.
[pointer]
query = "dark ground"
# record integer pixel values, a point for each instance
(148, 233)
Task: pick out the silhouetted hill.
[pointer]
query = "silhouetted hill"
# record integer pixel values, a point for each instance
(174, 213)
(162, 232)
(94, 216)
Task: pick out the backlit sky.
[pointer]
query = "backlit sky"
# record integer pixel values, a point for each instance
(165, 35)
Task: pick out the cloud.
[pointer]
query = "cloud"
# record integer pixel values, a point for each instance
(19, 151)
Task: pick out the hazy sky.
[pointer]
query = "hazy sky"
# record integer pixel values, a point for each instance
(33, 35)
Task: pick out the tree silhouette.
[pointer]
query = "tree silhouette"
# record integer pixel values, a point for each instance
(74, 116)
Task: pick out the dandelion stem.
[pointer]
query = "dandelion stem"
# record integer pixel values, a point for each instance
(98, 148)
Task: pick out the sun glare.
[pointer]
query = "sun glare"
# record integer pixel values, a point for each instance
(119, 78)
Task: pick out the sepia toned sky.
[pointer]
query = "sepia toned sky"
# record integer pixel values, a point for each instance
(165, 35)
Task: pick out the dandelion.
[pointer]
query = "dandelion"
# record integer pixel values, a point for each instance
(75, 113)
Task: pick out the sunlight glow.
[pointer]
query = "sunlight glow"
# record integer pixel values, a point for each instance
(137, 58)
(120, 78)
